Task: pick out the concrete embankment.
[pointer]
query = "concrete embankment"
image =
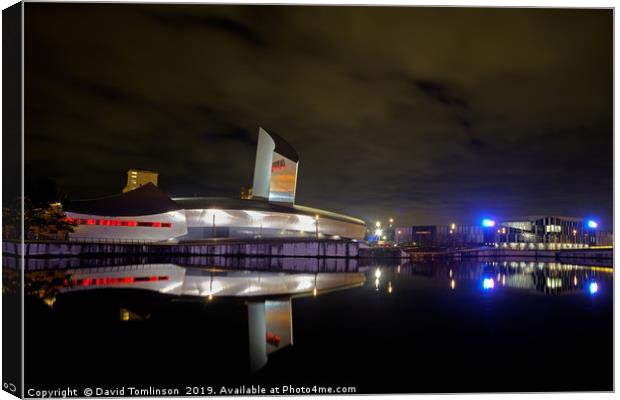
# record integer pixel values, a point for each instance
(565, 255)
(256, 248)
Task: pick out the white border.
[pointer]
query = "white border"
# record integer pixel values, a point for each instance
(451, 3)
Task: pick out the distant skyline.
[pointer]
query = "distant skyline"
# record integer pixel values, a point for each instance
(427, 115)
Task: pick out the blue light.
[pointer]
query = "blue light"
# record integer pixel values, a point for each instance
(488, 283)
(488, 223)
(593, 288)
(592, 224)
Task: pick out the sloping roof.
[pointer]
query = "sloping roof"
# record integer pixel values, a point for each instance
(145, 200)
(224, 203)
(283, 147)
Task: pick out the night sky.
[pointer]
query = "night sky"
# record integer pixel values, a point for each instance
(427, 115)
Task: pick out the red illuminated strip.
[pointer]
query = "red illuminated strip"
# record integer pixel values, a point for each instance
(114, 279)
(116, 222)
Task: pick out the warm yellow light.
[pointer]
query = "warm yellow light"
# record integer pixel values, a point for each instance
(317, 217)
(49, 301)
(453, 226)
(390, 287)
(314, 291)
(378, 273)
(210, 297)
(378, 224)
(391, 220)
(452, 284)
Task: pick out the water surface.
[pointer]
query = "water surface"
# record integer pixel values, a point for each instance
(433, 326)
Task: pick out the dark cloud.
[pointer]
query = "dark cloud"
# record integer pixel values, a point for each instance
(189, 20)
(442, 94)
(426, 114)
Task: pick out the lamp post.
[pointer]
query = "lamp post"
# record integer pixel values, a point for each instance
(316, 224)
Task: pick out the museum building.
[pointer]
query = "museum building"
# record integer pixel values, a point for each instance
(146, 213)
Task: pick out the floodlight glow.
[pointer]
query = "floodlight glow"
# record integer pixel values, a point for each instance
(488, 223)
(593, 288)
(488, 283)
(592, 224)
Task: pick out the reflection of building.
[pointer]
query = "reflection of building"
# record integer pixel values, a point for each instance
(268, 295)
(137, 178)
(267, 210)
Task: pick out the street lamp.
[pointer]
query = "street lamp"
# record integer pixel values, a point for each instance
(316, 224)
(574, 236)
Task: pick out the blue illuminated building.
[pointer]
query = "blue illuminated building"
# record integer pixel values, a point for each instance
(522, 232)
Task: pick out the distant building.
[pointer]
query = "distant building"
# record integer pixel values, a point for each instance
(545, 229)
(555, 231)
(440, 235)
(137, 178)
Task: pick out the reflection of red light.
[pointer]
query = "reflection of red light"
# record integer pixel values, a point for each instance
(157, 224)
(90, 222)
(114, 280)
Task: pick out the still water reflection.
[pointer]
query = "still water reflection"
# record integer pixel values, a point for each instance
(410, 327)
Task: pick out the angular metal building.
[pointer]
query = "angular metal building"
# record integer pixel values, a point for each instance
(148, 214)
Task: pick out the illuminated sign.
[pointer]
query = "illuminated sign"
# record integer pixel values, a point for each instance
(278, 165)
(283, 179)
